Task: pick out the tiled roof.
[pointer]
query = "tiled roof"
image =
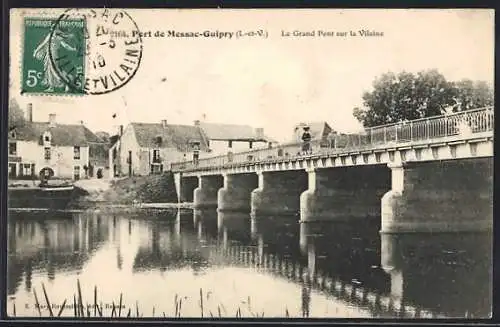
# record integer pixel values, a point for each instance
(174, 136)
(62, 134)
(113, 139)
(231, 132)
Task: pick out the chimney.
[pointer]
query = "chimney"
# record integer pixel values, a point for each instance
(164, 123)
(29, 112)
(120, 130)
(52, 119)
(259, 133)
(197, 123)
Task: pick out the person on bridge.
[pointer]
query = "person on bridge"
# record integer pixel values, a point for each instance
(306, 139)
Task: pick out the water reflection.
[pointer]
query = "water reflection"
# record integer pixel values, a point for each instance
(271, 264)
(444, 273)
(235, 225)
(46, 244)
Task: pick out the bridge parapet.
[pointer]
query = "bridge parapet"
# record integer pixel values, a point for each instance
(460, 126)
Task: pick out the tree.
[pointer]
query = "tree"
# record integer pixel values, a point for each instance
(408, 96)
(473, 94)
(16, 115)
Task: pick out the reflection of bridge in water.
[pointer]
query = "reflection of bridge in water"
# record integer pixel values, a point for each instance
(398, 275)
(165, 247)
(393, 275)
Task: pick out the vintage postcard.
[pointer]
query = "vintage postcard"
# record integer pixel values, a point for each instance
(305, 163)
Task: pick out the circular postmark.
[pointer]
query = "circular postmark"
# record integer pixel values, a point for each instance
(94, 51)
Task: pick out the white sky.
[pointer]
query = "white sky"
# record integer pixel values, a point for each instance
(276, 82)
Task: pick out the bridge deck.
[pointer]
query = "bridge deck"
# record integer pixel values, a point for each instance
(465, 126)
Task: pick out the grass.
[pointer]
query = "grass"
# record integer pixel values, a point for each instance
(96, 309)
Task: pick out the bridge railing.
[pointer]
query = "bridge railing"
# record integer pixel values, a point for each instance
(460, 123)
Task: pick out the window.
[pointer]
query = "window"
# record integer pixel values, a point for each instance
(230, 144)
(76, 173)
(47, 153)
(13, 134)
(76, 152)
(46, 139)
(156, 155)
(27, 171)
(250, 144)
(156, 169)
(13, 148)
(114, 153)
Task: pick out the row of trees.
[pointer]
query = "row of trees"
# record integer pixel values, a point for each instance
(407, 96)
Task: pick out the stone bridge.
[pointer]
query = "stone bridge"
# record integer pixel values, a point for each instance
(427, 175)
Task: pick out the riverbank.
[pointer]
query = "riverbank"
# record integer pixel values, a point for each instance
(148, 191)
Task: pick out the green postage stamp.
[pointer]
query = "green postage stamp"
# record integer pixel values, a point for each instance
(50, 45)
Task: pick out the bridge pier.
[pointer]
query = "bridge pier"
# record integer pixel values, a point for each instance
(235, 195)
(205, 195)
(344, 194)
(187, 186)
(442, 196)
(278, 193)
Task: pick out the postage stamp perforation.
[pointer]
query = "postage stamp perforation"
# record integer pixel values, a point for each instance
(73, 58)
(38, 15)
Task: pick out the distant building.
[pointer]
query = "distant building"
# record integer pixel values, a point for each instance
(320, 131)
(224, 138)
(63, 148)
(114, 154)
(148, 148)
(98, 159)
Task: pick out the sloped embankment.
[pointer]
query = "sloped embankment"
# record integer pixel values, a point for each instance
(145, 189)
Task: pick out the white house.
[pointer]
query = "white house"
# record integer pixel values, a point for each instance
(224, 138)
(149, 148)
(63, 148)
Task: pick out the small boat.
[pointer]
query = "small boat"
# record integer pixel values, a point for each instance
(41, 196)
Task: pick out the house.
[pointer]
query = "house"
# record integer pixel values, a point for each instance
(320, 131)
(61, 148)
(149, 148)
(114, 154)
(224, 138)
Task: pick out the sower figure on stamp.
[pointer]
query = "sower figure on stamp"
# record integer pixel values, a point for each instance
(306, 139)
(42, 52)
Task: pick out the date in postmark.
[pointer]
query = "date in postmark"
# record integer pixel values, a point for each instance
(82, 51)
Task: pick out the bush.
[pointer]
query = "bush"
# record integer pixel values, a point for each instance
(149, 189)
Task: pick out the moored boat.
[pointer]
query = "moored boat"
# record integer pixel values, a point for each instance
(40, 196)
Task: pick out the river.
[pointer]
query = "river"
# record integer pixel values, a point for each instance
(192, 263)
